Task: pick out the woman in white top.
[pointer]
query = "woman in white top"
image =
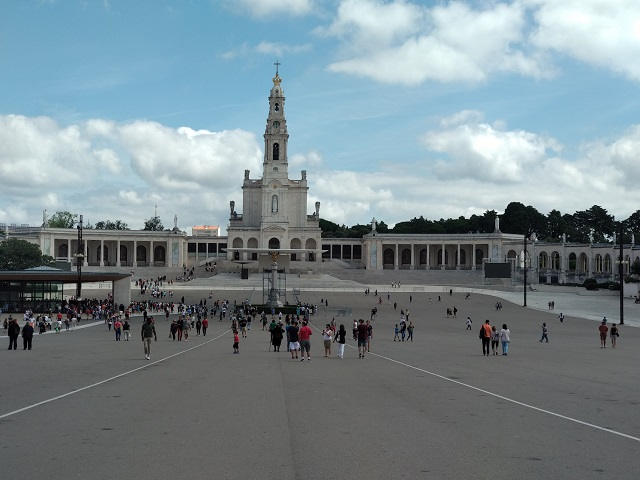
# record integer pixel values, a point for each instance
(505, 338)
(327, 336)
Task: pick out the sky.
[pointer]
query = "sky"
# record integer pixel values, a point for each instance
(397, 109)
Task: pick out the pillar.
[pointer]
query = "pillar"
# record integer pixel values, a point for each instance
(396, 266)
(458, 259)
(135, 253)
(69, 251)
(443, 257)
(102, 253)
(473, 256)
(428, 267)
(151, 253)
(86, 253)
(412, 266)
(118, 253)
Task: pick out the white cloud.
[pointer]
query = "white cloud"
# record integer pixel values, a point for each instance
(403, 43)
(479, 150)
(603, 33)
(265, 48)
(310, 160)
(266, 8)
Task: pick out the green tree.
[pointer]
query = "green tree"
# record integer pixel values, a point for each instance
(17, 254)
(153, 224)
(109, 225)
(62, 219)
(523, 220)
(555, 225)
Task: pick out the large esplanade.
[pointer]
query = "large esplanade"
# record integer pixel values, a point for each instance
(275, 217)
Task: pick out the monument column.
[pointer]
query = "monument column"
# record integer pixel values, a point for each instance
(396, 266)
(473, 256)
(118, 253)
(151, 253)
(102, 253)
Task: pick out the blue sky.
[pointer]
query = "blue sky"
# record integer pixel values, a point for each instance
(396, 108)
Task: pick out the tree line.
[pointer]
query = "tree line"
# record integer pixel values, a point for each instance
(581, 226)
(66, 219)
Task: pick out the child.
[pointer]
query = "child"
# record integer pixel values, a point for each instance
(396, 333)
(469, 323)
(236, 341)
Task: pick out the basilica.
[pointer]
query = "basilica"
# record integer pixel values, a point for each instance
(275, 218)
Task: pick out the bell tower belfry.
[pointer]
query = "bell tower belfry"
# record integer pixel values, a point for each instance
(275, 165)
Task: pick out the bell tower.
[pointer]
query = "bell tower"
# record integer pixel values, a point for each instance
(275, 164)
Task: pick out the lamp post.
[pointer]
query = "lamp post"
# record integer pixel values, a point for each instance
(524, 304)
(79, 260)
(621, 263)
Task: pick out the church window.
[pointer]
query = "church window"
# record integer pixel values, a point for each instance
(274, 204)
(276, 107)
(275, 169)
(276, 151)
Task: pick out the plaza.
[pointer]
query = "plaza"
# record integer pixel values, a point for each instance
(432, 408)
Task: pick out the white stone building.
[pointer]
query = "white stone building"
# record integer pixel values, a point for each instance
(274, 206)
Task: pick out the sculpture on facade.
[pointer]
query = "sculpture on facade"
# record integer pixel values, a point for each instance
(232, 207)
(304, 174)
(246, 174)
(374, 224)
(317, 209)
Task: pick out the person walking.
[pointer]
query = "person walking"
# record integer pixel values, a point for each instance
(198, 326)
(148, 332)
(236, 342)
(205, 325)
(341, 338)
(469, 322)
(495, 340)
(362, 338)
(603, 329)
(410, 328)
(327, 337)
(545, 333)
(305, 341)
(485, 336)
(126, 327)
(117, 327)
(505, 338)
(13, 331)
(396, 333)
(614, 334)
(294, 339)
(27, 336)
(369, 335)
(276, 336)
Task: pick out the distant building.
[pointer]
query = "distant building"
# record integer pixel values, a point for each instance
(205, 231)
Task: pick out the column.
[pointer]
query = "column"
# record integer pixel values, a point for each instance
(428, 267)
(443, 257)
(118, 253)
(473, 256)
(135, 253)
(102, 253)
(341, 252)
(86, 253)
(68, 250)
(458, 259)
(151, 253)
(396, 266)
(412, 266)
(379, 256)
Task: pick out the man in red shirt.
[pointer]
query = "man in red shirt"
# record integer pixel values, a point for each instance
(603, 329)
(305, 341)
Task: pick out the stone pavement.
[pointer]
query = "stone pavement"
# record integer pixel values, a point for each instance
(434, 408)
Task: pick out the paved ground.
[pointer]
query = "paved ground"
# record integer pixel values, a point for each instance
(435, 408)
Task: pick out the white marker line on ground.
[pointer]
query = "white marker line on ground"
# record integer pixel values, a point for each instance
(511, 400)
(81, 389)
(501, 397)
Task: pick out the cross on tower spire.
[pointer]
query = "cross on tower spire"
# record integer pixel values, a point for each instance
(277, 64)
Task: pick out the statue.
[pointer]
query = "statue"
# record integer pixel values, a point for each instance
(564, 238)
(591, 236)
(304, 174)
(232, 206)
(614, 238)
(633, 239)
(496, 225)
(175, 222)
(246, 174)
(374, 224)
(317, 209)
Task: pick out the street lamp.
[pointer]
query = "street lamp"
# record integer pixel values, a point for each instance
(621, 263)
(79, 260)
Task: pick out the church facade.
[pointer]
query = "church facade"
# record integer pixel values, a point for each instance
(274, 206)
